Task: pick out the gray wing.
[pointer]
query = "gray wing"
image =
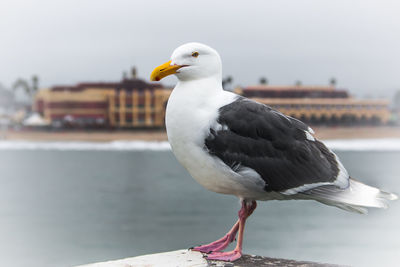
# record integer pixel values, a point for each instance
(279, 148)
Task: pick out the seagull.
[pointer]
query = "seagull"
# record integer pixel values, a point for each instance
(233, 145)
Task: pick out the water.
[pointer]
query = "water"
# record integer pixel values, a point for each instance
(389, 144)
(64, 208)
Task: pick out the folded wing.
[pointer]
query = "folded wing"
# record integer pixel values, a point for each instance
(279, 148)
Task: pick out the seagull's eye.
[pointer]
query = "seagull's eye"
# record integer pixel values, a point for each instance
(195, 54)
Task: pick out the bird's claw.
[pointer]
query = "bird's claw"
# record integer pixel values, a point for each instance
(225, 256)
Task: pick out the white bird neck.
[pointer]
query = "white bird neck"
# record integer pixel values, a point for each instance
(206, 87)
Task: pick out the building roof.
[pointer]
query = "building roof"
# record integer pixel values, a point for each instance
(294, 91)
(263, 87)
(323, 101)
(126, 84)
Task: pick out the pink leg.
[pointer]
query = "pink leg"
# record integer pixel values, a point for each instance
(221, 243)
(235, 254)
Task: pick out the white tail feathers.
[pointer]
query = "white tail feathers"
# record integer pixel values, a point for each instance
(356, 198)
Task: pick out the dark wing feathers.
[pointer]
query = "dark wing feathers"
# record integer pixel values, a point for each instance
(272, 144)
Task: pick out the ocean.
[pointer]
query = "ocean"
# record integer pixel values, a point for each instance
(70, 203)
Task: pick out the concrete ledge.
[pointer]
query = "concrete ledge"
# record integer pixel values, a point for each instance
(187, 258)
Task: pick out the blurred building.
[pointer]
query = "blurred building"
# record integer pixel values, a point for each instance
(128, 103)
(134, 103)
(396, 108)
(7, 109)
(7, 100)
(320, 104)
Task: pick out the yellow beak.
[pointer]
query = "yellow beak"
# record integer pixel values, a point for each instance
(163, 71)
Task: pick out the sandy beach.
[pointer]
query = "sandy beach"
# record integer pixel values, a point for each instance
(323, 133)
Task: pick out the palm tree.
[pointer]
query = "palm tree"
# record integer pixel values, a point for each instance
(263, 81)
(23, 84)
(35, 84)
(226, 81)
(29, 89)
(333, 81)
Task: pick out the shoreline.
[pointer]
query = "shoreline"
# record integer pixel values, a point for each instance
(322, 133)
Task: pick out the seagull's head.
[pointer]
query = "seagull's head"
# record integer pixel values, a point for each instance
(190, 61)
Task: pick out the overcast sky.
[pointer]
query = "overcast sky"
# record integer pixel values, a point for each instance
(66, 42)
